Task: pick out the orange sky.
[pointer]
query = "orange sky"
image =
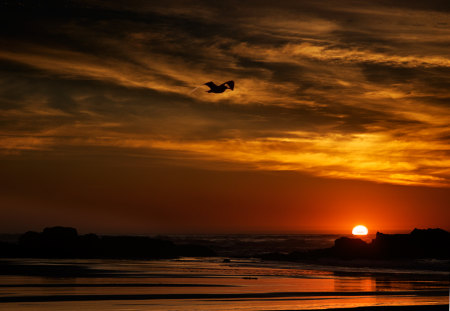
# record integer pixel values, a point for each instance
(340, 116)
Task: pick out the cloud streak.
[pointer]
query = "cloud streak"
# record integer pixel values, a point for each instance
(356, 92)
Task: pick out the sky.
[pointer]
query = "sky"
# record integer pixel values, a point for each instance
(340, 116)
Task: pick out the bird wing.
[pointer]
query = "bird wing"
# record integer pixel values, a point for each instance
(210, 84)
(230, 84)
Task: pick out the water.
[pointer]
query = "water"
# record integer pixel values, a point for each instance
(211, 284)
(214, 284)
(251, 244)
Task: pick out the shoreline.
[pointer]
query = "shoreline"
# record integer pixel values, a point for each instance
(173, 296)
(383, 308)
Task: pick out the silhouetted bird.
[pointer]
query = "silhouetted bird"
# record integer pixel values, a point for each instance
(220, 88)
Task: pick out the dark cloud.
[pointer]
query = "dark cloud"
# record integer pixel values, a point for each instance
(434, 5)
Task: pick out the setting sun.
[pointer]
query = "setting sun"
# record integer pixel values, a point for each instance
(360, 230)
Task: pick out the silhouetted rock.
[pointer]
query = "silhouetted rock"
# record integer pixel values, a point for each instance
(136, 247)
(60, 242)
(350, 248)
(9, 250)
(60, 233)
(420, 243)
(64, 242)
(192, 250)
(30, 239)
(89, 244)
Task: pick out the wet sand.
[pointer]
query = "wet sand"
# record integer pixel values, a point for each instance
(43, 298)
(388, 308)
(213, 285)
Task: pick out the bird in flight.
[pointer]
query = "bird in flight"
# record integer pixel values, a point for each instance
(220, 88)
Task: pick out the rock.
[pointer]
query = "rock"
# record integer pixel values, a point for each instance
(419, 244)
(350, 248)
(64, 242)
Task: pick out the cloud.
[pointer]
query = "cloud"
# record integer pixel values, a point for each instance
(355, 91)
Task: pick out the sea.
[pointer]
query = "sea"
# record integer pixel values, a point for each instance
(234, 280)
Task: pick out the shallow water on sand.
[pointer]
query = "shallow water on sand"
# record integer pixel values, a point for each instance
(211, 284)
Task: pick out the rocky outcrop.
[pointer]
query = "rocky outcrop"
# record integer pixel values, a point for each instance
(64, 242)
(420, 243)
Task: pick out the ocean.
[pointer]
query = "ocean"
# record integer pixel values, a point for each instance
(218, 283)
(250, 244)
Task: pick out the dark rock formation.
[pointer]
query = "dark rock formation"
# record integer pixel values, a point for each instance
(420, 243)
(135, 247)
(63, 242)
(350, 248)
(193, 250)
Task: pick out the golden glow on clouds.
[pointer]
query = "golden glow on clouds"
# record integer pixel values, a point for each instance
(366, 156)
(400, 142)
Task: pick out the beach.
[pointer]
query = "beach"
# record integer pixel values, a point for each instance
(214, 284)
